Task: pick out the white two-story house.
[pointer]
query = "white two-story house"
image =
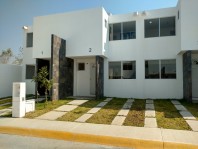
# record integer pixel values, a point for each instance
(146, 54)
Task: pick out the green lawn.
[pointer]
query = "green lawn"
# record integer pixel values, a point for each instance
(108, 112)
(136, 114)
(168, 116)
(79, 111)
(4, 107)
(42, 109)
(5, 101)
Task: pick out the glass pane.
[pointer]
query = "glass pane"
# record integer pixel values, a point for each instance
(151, 28)
(167, 26)
(168, 69)
(117, 31)
(128, 70)
(81, 66)
(29, 41)
(110, 32)
(129, 30)
(30, 71)
(152, 69)
(114, 70)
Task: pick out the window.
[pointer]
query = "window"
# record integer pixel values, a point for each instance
(167, 67)
(178, 15)
(122, 31)
(114, 70)
(152, 69)
(105, 23)
(159, 27)
(167, 26)
(81, 66)
(29, 40)
(30, 69)
(151, 28)
(128, 70)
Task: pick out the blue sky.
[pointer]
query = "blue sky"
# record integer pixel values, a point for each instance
(16, 13)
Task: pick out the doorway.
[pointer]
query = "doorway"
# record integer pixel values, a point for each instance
(195, 80)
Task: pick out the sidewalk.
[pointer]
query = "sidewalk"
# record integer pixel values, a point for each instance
(123, 136)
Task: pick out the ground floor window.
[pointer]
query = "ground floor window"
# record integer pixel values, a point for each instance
(167, 67)
(122, 70)
(30, 69)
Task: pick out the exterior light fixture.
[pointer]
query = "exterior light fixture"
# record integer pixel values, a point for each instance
(25, 27)
(150, 22)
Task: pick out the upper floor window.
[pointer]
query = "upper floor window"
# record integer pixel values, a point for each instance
(29, 40)
(122, 31)
(159, 27)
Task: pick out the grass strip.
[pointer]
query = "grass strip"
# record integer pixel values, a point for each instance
(108, 112)
(5, 101)
(4, 107)
(168, 116)
(136, 114)
(42, 109)
(80, 110)
(192, 108)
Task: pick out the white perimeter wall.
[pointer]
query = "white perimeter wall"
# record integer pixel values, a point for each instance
(8, 75)
(139, 50)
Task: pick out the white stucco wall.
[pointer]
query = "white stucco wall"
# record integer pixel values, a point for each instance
(8, 75)
(28, 60)
(139, 50)
(189, 24)
(81, 30)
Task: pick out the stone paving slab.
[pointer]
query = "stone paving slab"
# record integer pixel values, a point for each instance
(150, 107)
(77, 102)
(150, 113)
(52, 115)
(127, 105)
(83, 118)
(94, 110)
(175, 102)
(123, 112)
(102, 104)
(149, 101)
(130, 100)
(66, 108)
(187, 115)
(150, 122)
(180, 108)
(118, 120)
(108, 99)
(193, 124)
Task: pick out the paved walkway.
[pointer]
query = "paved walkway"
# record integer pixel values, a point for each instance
(150, 119)
(189, 118)
(62, 110)
(123, 136)
(90, 113)
(122, 114)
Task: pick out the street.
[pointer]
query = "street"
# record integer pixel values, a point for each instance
(26, 142)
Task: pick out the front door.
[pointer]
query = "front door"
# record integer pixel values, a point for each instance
(195, 80)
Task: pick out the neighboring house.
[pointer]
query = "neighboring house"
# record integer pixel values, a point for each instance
(147, 54)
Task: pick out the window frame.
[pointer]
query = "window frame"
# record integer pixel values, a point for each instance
(29, 43)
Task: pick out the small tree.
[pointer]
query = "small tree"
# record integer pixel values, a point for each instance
(44, 82)
(5, 56)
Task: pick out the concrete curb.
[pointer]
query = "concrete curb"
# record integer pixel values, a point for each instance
(97, 139)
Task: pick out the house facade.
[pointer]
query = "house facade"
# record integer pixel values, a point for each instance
(146, 54)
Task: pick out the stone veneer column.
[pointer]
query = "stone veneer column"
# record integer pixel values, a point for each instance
(187, 76)
(61, 69)
(99, 77)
